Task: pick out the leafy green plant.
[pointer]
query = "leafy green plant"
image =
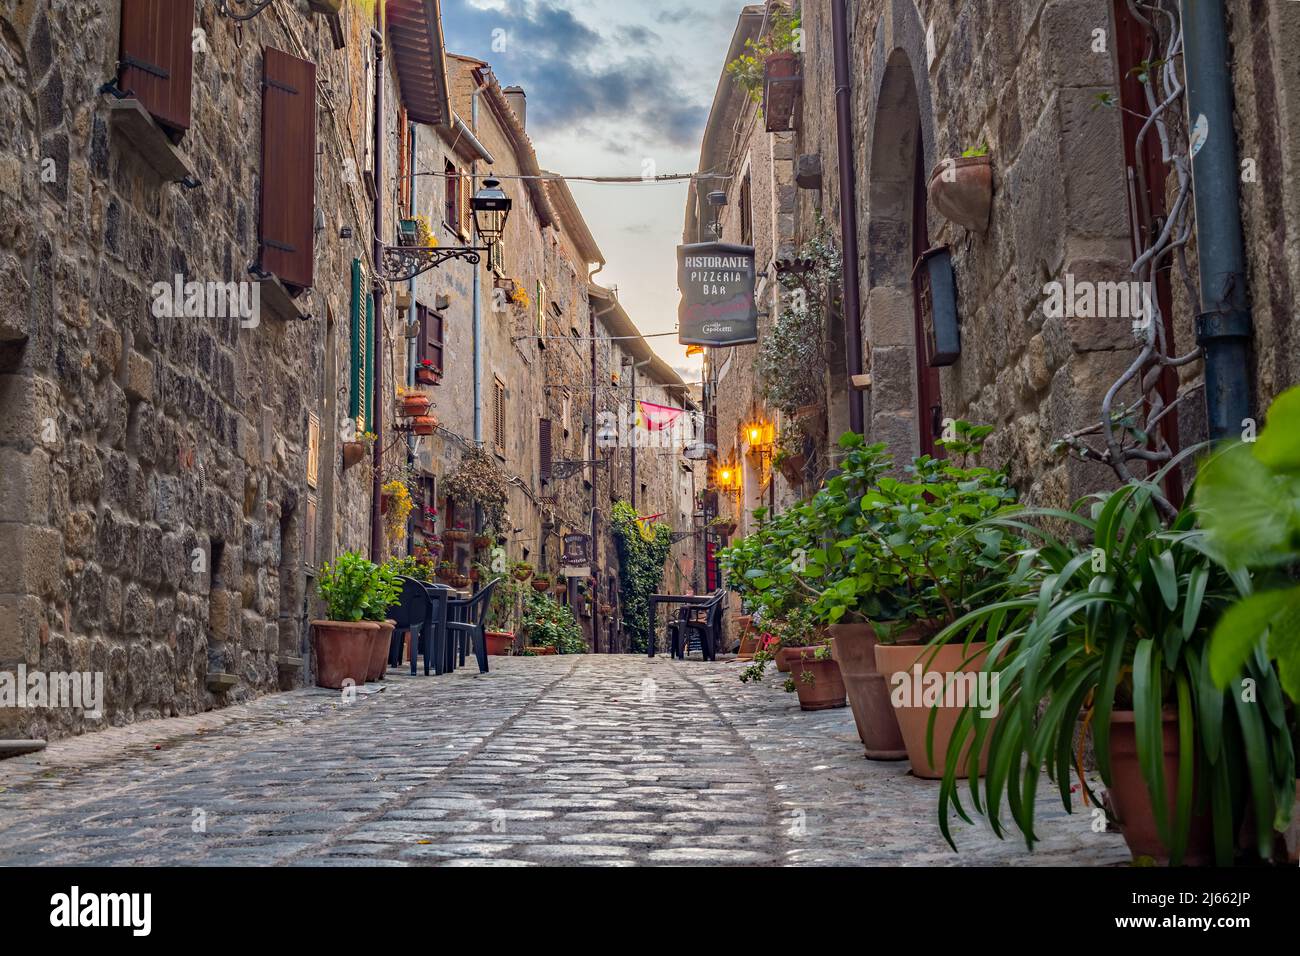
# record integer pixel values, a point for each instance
(641, 570)
(385, 591)
(791, 355)
(504, 610)
(479, 480)
(981, 150)
(346, 586)
(1249, 500)
(411, 567)
(782, 37)
(548, 623)
(1119, 622)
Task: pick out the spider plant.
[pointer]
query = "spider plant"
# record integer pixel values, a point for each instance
(1121, 622)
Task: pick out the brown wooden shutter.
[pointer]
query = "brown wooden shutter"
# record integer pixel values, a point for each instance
(544, 446)
(155, 62)
(499, 417)
(432, 329)
(466, 204)
(288, 167)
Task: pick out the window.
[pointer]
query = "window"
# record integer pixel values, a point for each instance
(286, 226)
(451, 198)
(431, 337)
(499, 416)
(746, 214)
(544, 447)
(156, 58)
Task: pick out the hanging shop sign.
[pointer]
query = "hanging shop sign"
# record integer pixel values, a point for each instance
(576, 556)
(716, 280)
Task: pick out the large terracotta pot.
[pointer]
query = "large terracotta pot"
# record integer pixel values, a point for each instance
(904, 668)
(342, 651)
(498, 643)
(783, 662)
(748, 637)
(1131, 801)
(854, 649)
(961, 189)
(380, 644)
(825, 690)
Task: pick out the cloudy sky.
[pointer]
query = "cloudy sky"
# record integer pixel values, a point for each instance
(613, 85)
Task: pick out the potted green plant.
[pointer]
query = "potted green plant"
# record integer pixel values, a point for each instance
(522, 571)
(1112, 634)
(541, 582)
(343, 641)
(386, 591)
(548, 624)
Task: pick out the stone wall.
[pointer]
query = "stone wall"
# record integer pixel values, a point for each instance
(154, 469)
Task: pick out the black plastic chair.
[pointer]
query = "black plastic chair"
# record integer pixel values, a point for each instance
(698, 624)
(467, 620)
(421, 610)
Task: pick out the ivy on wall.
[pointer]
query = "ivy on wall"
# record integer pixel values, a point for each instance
(641, 556)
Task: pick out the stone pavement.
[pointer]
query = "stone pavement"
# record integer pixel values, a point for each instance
(559, 760)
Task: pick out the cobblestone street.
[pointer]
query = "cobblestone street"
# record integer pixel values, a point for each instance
(562, 760)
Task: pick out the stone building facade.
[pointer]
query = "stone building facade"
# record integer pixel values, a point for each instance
(1045, 88)
(174, 468)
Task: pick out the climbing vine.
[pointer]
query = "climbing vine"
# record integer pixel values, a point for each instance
(792, 356)
(479, 480)
(641, 556)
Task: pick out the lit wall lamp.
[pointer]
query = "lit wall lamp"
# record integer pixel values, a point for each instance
(761, 436)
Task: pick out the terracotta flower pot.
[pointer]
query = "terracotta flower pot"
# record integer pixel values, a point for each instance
(415, 406)
(782, 663)
(354, 452)
(456, 534)
(539, 651)
(482, 541)
(379, 651)
(541, 584)
(854, 649)
(499, 642)
(905, 669)
(748, 637)
(342, 651)
(522, 574)
(424, 425)
(825, 690)
(961, 189)
(427, 376)
(1131, 801)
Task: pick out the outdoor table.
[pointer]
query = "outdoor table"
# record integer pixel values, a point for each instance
(656, 599)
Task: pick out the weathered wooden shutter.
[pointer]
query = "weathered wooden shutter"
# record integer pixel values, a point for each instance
(499, 416)
(544, 446)
(369, 397)
(156, 60)
(360, 349)
(433, 343)
(466, 203)
(287, 235)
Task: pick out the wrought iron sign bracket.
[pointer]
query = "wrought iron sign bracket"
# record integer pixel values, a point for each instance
(683, 535)
(232, 8)
(567, 469)
(406, 262)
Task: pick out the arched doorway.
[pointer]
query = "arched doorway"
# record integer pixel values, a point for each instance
(905, 408)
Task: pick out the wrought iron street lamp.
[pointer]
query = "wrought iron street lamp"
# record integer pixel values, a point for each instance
(491, 207)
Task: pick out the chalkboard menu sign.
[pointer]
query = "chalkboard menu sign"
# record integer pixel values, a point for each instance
(717, 284)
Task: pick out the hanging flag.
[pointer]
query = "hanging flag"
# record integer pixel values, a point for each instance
(646, 525)
(656, 418)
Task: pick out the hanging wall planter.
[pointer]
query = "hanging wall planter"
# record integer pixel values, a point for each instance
(354, 452)
(961, 190)
(415, 405)
(424, 425)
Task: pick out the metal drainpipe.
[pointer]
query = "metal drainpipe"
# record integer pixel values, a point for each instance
(478, 295)
(595, 475)
(377, 397)
(848, 210)
(1224, 329)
